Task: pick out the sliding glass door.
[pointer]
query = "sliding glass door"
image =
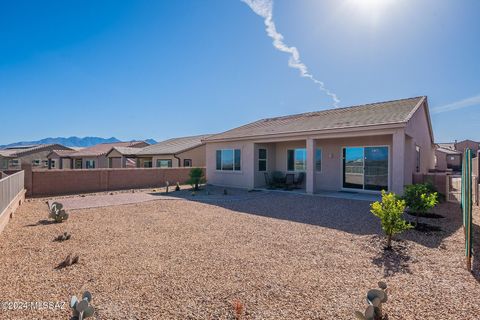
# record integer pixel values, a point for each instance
(353, 168)
(365, 168)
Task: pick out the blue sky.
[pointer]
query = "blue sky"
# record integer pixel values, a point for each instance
(160, 69)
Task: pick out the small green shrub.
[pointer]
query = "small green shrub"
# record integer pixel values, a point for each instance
(390, 211)
(177, 187)
(196, 178)
(420, 198)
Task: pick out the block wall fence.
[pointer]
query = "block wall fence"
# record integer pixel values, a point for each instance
(63, 182)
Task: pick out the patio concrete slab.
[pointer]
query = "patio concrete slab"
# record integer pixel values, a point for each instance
(350, 195)
(105, 200)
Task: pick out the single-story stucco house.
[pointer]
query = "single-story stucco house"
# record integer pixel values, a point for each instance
(365, 148)
(176, 152)
(12, 158)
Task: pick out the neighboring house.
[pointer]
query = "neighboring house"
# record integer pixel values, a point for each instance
(122, 157)
(176, 152)
(95, 156)
(36, 155)
(60, 159)
(449, 155)
(362, 148)
(462, 145)
(447, 158)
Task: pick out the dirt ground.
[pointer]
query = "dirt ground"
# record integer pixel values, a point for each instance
(281, 256)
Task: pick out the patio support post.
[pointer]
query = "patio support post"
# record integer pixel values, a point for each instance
(398, 161)
(310, 174)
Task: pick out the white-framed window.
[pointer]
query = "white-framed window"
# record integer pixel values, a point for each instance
(52, 164)
(90, 164)
(164, 163)
(262, 159)
(14, 163)
(228, 160)
(36, 162)
(297, 159)
(318, 160)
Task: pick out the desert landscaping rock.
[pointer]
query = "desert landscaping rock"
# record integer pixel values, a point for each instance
(282, 256)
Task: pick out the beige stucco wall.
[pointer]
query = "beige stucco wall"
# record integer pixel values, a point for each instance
(100, 162)
(243, 178)
(462, 145)
(418, 131)
(331, 175)
(197, 155)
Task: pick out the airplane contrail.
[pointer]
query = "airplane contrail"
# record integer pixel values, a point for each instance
(264, 8)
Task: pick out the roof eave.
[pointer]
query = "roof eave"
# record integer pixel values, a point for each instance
(391, 125)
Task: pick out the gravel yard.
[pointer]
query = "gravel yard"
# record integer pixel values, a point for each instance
(283, 256)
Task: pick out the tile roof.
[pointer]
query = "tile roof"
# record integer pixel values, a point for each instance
(173, 146)
(126, 150)
(63, 153)
(380, 113)
(103, 148)
(448, 150)
(15, 152)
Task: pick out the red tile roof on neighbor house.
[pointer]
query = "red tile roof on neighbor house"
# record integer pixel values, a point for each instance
(372, 114)
(103, 148)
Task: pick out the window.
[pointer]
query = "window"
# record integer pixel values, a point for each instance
(52, 164)
(318, 160)
(36, 162)
(187, 162)
(297, 159)
(3, 163)
(147, 163)
(164, 163)
(228, 160)
(262, 159)
(14, 162)
(90, 164)
(417, 150)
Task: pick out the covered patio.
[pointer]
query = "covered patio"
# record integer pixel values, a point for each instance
(361, 164)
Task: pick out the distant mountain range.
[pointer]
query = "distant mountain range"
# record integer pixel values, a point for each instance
(70, 142)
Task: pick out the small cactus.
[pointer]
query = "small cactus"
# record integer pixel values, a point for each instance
(57, 213)
(68, 262)
(81, 308)
(63, 237)
(177, 187)
(375, 299)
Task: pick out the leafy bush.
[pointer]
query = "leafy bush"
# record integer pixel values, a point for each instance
(196, 178)
(390, 211)
(420, 198)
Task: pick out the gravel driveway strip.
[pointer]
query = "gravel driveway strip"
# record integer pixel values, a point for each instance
(281, 256)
